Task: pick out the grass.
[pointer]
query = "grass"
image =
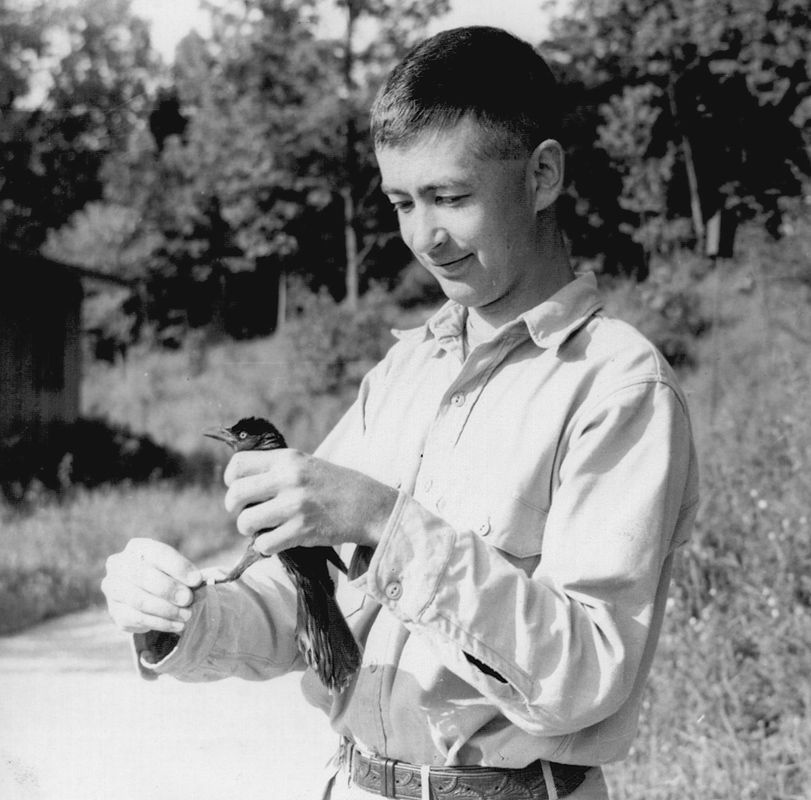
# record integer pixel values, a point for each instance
(55, 552)
(54, 555)
(727, 714)
(728, 709)
(174, 397)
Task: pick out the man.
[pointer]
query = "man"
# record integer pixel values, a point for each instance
(511, 483)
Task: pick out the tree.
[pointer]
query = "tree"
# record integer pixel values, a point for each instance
(630, 122)
(399, 26)
(22, 44)
(213, 181)
(265, 174)
(725, 88)
(98, 90)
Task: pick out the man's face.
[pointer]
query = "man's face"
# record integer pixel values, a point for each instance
(471, 222)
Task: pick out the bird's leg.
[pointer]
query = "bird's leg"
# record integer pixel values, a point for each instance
(251, 556)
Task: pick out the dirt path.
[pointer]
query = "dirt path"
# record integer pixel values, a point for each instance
(76, 723)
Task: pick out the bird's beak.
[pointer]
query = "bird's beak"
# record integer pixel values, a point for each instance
(221, 434)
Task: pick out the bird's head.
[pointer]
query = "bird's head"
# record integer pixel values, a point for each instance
(250, 433)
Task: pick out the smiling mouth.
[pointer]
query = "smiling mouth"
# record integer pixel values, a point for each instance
(451, 264)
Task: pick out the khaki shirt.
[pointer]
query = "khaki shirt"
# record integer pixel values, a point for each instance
(512, 609)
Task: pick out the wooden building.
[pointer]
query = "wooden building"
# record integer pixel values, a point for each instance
(40, 353)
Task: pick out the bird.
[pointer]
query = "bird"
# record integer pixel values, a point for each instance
(322, 634)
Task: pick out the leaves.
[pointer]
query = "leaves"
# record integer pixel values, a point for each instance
(54, 153)
(702, 106)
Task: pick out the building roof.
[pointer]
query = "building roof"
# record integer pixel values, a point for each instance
(10, 255)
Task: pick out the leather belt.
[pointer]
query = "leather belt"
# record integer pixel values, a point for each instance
(401, 780)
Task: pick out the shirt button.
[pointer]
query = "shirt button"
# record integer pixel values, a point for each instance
(484, 528)
(394, 590)
(373, 666)
(458, 399)
(427, 484)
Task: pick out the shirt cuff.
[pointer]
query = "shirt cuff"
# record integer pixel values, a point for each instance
(409, 562)
(159, 653)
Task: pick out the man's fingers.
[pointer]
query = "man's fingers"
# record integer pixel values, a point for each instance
(148, 586)
(249, 491)
(165, 558)
(122, 574)
(150, 594)
(247, 463)
(256, 462)
(281, 538)
(130, 620)
(270, 514)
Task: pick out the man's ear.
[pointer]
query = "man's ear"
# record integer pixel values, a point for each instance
(547, 164)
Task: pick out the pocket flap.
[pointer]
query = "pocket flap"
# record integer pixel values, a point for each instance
(513, 526)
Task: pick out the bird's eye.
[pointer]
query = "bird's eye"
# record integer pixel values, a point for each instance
(243, 435)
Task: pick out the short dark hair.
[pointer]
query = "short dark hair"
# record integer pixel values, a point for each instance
(483, 73)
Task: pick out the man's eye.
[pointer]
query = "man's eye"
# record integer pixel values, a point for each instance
(450, 199)
(402, 205)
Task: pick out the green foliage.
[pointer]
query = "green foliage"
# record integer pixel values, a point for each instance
(103, 237)
(697, 107)
(795, 242)
(628, 138)
(669, 306)
(729, 702)
(176, 395)
(22, 42)
(266, 174)
(333, 347)
(87, 452)
(54, 555)
(54, 151)
(213, 384)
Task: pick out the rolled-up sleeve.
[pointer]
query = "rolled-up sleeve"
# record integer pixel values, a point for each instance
(241, 629)
(563, 647)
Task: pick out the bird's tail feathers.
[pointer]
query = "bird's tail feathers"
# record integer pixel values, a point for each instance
(325, 640)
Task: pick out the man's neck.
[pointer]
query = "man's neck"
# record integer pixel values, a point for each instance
(549, 269)
(478, 330)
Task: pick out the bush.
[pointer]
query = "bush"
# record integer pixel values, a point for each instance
(102, 452)
(729, 701)
(668, 306)
(333, 347)
(109, 323)
(87, 452)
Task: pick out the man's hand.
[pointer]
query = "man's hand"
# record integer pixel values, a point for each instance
(148, 586)
(305, 500)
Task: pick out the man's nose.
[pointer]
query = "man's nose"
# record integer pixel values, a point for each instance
(426, 232)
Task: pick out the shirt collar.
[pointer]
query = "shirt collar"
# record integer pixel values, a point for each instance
(549, 324)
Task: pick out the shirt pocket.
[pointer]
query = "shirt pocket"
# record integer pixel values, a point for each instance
(514, 528)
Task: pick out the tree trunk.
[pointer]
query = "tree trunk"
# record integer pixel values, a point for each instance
(351, 246)
(692, 177)
(281, 308)
(350, 167)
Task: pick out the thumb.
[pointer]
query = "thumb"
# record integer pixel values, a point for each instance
(167, 559)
